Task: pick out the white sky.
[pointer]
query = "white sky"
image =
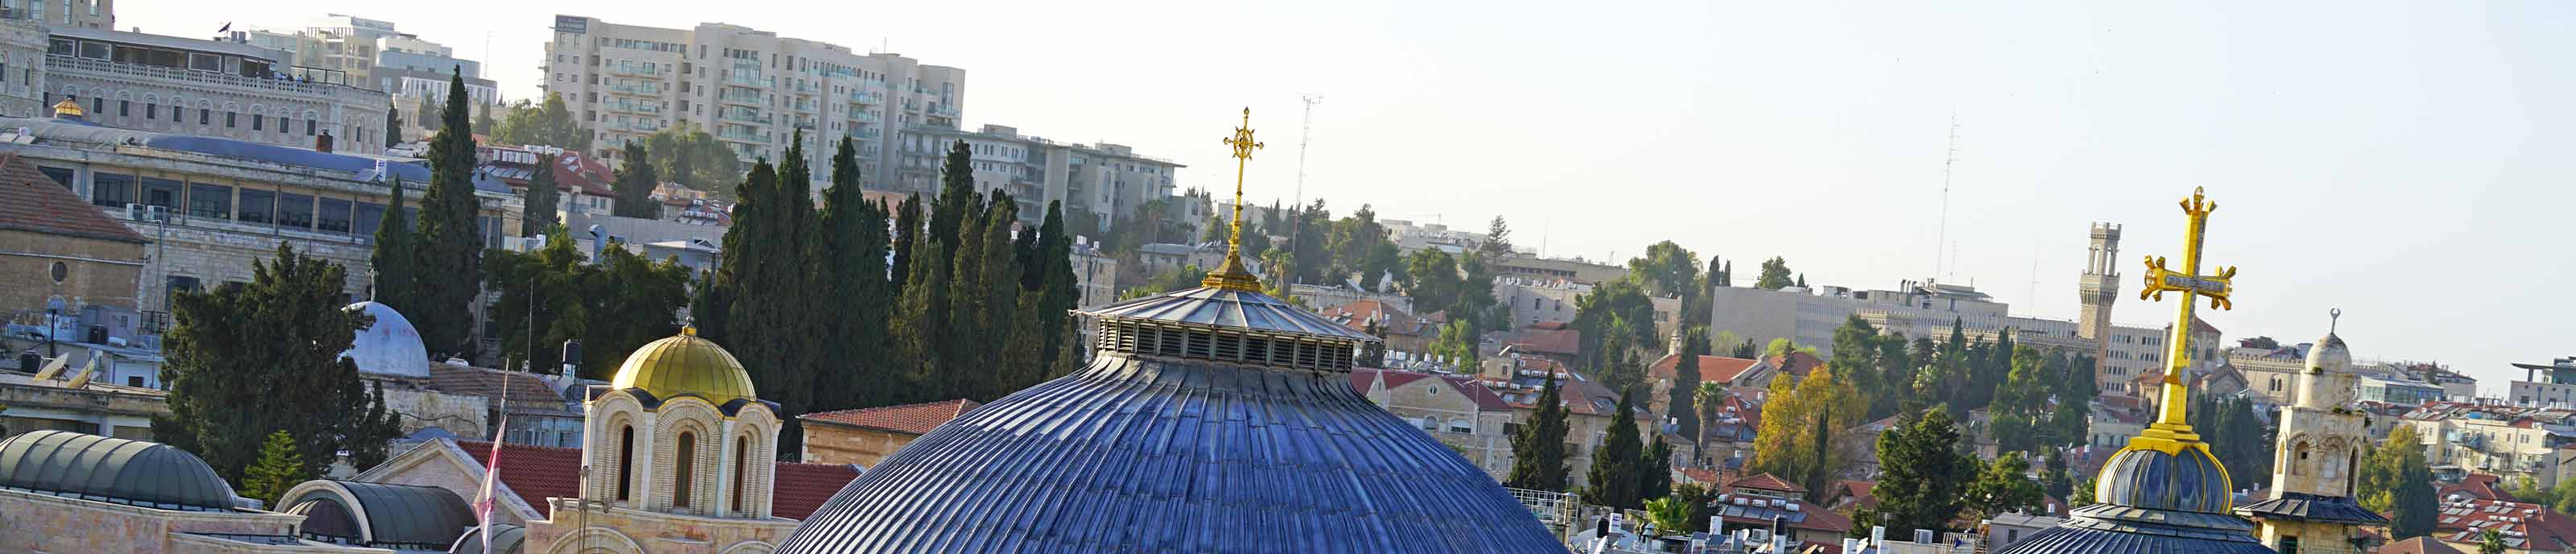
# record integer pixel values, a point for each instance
(2408, 163)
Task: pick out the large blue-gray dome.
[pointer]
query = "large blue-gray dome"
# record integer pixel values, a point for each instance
(1210, 420)
(2163, 493)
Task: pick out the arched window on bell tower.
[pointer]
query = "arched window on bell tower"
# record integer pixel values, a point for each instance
(684, 470)
(741, 465)
(625, 461)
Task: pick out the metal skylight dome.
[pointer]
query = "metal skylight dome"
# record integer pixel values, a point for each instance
(1216, 419)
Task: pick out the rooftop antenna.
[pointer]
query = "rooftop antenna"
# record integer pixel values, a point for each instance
(1297, 202)
(1949, 158)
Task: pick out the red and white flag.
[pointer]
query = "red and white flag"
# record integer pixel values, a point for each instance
(492, 469)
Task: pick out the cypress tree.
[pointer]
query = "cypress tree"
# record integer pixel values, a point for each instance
(1023, 362)
(956, 205)
(393, 125)
(967, 314)
(1059, 293)
(1538, 449)
(1001, 290)
(427, 111)
(1686, 386)
(393, 256)
(542, 198)
(450, 246)
(920, 324)
(772, 309)
(1655, 472)
(907, 232)
(634, 185)
(853, 233)
(1614, 480)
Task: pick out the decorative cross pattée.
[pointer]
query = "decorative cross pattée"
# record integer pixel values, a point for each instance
(1232, 276)
(2172, 431)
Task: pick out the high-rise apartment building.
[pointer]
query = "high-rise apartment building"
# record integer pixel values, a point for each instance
(376, 56)
(1104, 181)
(753, 90)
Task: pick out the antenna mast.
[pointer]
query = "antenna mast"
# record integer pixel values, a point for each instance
(1949, 158)
(1297, 206)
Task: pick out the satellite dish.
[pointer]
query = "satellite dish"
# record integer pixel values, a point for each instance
(87, 370)
(53, 368)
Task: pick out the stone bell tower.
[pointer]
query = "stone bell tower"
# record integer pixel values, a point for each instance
(2099, 287)
(2312, 506)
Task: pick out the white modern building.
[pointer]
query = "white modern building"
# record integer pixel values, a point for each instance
(753, 90)
(86, 14)
(375, 55)
(1106, 181)
(1922, 309)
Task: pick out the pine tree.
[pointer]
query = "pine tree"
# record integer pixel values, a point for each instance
(1655, 471)
(1775, 274)
(393, 256)
(853, 233)
(245, 361)
(278, 469)
(542, 199)
(449, 248)
(1614, 479)
(377, 429)
(1538, 449)
(2004, 487)
(634, 185)
(1926, 478)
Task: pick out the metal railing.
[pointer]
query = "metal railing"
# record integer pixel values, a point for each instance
(190, 76)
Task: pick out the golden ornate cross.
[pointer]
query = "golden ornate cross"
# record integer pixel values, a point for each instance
(2170, 423)
(1232, 275)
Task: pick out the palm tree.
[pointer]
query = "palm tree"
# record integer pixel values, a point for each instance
(1705, 400)
(2491, 542)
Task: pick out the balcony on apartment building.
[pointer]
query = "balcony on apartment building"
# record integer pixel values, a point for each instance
(146, 59)
(739, 95)
(636, 70)
(648, 89)
(745, 116)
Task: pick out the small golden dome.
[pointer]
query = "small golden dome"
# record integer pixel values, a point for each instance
(685, 364)
(69, 108)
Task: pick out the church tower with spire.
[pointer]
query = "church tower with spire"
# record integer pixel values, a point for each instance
(2313, 467)
(2099, 287)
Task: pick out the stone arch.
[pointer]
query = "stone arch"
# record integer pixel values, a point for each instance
(2299, 453)
(750, 547)
(700, 420)
(151, 98)
(124, 95)
(596, 540)
(71, 90)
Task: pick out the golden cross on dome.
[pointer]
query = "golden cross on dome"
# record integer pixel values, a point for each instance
(2171, 425)
(1232, 276)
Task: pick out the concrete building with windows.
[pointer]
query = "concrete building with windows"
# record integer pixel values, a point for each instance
(207, 88)
(753, 90)
(84, 14)
(1106, 181)
(377, 56)
(211, 206)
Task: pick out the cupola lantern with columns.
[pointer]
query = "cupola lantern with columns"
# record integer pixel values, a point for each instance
(680, 430)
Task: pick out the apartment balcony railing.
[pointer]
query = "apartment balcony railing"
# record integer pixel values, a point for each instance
(639, 108)
(635, 71)
(742, 135)
(738, 117)
(747, 79)
(639, 89)
(739, 96)
(191, 76)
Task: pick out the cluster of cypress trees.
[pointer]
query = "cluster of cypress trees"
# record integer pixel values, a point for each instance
(836, 309)
(431, 270)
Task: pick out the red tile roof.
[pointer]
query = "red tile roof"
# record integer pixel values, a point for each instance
(1765, 481)
(2418, 545)
(2527, 526)
(1562, 341)
(916, 419)
(527, 390)
(1796, 363)
(1365, 377)
(1711, 368)
(1861, 492)
(32, 202)
(540, 472)
(2475, 485)
(1357, 315)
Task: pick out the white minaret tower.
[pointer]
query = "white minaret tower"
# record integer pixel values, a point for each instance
(2319, 451)
(2100, 286)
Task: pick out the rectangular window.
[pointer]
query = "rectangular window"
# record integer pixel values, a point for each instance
(60, 175)
(210, 201)
(205, 116)
(309, 126)
(255, 121)
(232, 119)
(111, 190)
(255, 206)
(150, 110)
(295, 210)
(333, 215)
(124, 108)
(369, 216)
(93, 50)
(162, 192)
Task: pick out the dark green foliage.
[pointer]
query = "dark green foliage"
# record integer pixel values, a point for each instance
(2005, 486)
(1775, 274)
(542, 199)
(548, 124)
(1926, 479)
(772, 312)
(1498, 238)
(1667, 270)
(448, 247)
(2237, 435)
(393, 257)
(427, 113)
(613, 305)
(907, 232)
(393, 125)
(2396, 480)
(1059, 292)
(1655, 471)
(1538, 448)
(633, 189)
(687, 155)
(1686, 384)
(1614, 480)
(2055, 478)
(852, 265)
(278, 469)
(1616, 317)
(248, 361)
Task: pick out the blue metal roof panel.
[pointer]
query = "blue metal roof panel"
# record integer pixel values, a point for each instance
(1134, 455)
(2309, 507)
(1211, 306)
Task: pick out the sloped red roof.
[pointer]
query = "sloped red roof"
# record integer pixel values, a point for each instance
(1764, 481)
(1859, 491)
(1797, 363)
(2528, 526)
(32, 202)
(917, 419)
(540, 472)
(1562, 341)
(1365, 377)
(2418, 545)
(1711, 368)
(2475, 485)
(1357, 315)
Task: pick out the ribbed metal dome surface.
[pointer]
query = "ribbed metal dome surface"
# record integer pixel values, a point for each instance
(2145, 478)
(2152, 502)
(130, 472)
(1141, 453)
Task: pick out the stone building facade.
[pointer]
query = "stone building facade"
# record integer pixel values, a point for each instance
(209, 88)
(866, 436)
(1454, 409)
(55, 252)
(2316, 462)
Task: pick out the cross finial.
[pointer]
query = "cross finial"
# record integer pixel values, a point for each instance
(2172, 432)
(1232, 275)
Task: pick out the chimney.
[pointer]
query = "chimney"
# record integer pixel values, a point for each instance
(322, 142)
(571, 359)
(1779, 534)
